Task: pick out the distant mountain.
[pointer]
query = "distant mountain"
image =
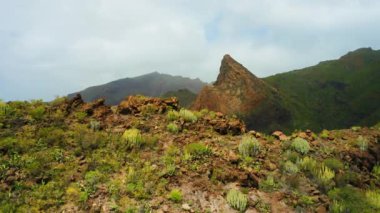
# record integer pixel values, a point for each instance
(238, 91)
(185, 96)
(154, 84)
(333, 94)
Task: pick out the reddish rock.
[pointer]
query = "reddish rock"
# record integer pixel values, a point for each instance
(238, 91)
(138, 104)
(280, 135)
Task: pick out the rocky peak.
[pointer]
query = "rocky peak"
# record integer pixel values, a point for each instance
(238, 91)
(232, 73)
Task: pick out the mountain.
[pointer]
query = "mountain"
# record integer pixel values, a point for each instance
(154, 84)
(238, 91)
(184, 96)
(333, 94)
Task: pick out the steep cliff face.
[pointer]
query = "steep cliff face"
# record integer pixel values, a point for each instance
(238, 91)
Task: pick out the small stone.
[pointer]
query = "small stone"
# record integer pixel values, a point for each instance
(232, 157)
(165, 208)
(186, 207)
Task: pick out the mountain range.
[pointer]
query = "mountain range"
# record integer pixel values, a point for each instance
(332, 94)
(153, 84)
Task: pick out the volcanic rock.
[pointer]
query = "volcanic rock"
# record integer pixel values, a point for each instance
(237, 91)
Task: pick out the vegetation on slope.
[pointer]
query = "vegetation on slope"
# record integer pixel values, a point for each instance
(79, 157)
(333, 94)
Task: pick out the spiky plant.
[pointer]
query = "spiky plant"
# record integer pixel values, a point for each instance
(237, 200)
(249, 146)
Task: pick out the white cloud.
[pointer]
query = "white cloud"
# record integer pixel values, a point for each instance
(57, 47)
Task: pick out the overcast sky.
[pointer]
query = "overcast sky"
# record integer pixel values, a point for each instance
(55, 47)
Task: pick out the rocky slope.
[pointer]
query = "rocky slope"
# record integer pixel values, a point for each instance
(238, 91)
(148, 155)
(154, 84)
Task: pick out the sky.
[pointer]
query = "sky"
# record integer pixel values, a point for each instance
(56, 47)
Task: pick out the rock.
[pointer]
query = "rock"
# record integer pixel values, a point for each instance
(280, 135)
(228, 126)
(233, 157)
(138, 104)
(165, 208)
(186, 207)
(238, 91)
(321, 209)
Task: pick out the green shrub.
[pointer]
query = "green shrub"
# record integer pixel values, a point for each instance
(350, 199)
(336, 207)
(249, 146)
(92, 179)
(37, 113)
(172, 127)
(94, 125)
(300, 145)
(187, 115)
(292, 156)
(324, 176)
(308, 164)
(175, 195)
(237, 200)
(333, 164)
(196, 150)
(324, 134)
(373, 197)
(133, 138)
(172, 115)
(362, 143)
(376, 171)
(268, 184)
(290, 167)
(80, 115)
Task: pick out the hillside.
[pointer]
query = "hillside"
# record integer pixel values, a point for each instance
(237, 91)
(333, 94)
(148, 155)
(184, 96)
(154, 84)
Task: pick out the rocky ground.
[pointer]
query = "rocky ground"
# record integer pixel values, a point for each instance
(148, 155)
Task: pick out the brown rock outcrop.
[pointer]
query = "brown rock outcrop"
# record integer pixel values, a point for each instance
(238, 91)
(138, 104)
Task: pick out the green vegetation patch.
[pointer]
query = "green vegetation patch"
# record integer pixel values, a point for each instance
(237, 200)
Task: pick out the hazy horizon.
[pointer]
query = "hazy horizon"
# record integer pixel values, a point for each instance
(56, 48)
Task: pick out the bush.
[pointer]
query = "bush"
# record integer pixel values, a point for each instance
(324, 176)
(290, 167)
(300, 145)
(92, 179)
(362, 143)
(308, 164)
(187, 115)
(350, 199)
(324, 134)
(334, 164)
(268, 184)
(237, 200)
(373, 198)
(196, 150)
(172, 127)
(172, 115)
(80, 115)
(37, 113)
(133, 137)
(249, 146)
(376, 171)
(175, 195)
